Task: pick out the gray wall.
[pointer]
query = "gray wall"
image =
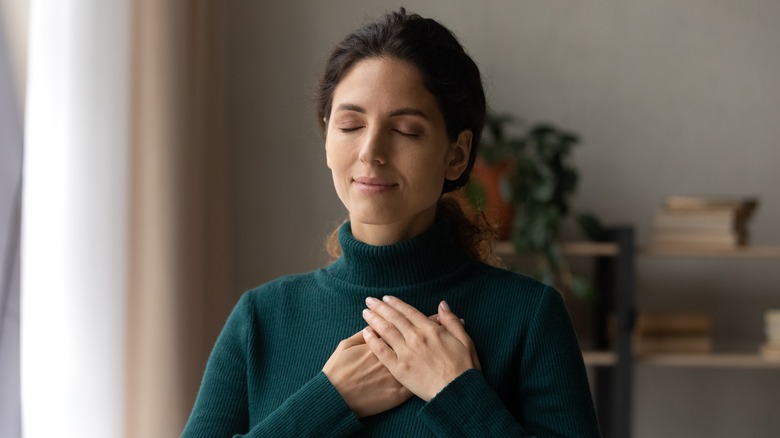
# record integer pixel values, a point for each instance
(670, 97)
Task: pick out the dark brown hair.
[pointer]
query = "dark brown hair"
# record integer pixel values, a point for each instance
(448, 72)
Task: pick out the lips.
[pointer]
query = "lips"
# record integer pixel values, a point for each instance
(368, 184)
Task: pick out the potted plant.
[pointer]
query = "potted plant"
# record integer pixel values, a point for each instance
(537, 181)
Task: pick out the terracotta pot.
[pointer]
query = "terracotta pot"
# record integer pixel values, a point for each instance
(498, 211)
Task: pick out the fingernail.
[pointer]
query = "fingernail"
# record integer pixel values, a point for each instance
(444, 306)
(462, 321)
(387, 298)
(371, 301)
(366, 313)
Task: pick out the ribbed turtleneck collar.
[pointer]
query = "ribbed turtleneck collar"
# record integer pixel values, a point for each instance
(423, 258)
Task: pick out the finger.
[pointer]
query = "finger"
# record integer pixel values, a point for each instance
(410, 313)
(352, 341)
(453, 324)
(395, 317)
(379, 347)
(456, 327)
(383, 328)
(435, 318)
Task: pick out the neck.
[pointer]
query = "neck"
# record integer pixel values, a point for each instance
(388, 234)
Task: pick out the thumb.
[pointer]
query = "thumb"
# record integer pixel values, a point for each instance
(352, 341)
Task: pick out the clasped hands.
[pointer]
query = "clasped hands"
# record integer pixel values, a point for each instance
(400, 353)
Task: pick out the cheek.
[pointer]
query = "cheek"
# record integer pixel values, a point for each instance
(332, 155)
(338, 162)
(328, 159)
(430, 174)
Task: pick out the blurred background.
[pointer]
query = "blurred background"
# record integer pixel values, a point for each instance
(159, 158)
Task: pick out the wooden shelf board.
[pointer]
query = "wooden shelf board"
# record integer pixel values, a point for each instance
(745, 252)
(712, 360)
(573, 249)
(599, 358)
(681, 360)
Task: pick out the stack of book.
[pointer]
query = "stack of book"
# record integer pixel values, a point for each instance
(673, 333)
(771, 349)
(703, 221)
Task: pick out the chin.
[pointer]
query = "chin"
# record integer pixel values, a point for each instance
(373, 219)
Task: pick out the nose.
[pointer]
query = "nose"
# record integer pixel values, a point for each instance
(374, 149)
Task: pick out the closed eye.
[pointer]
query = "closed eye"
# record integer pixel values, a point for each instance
(407, 134)
(347, 130)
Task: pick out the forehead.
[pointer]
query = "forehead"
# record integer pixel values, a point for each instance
(385, 84)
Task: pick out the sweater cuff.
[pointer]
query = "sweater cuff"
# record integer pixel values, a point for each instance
(328, 408)
(317, 409)
(468, 406)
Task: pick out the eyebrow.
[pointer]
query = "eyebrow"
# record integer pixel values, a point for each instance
(394, 113)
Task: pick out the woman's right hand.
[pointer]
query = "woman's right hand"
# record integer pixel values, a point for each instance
(363, 382)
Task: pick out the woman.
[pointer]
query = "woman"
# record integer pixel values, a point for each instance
(429, 340)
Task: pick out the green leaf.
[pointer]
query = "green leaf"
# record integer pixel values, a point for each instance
(568, 180)
(475, 194)
(592, 227)
(583, 288)
(505, 188)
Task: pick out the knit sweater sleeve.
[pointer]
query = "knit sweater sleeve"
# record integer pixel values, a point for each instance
(222, 406)
(553, 388)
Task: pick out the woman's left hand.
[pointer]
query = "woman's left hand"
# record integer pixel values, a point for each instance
(421, 354)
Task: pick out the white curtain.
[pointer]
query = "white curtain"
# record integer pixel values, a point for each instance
(125, 247)
(10, 212)
(74, 219)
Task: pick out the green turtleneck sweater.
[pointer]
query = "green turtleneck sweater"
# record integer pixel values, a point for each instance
(264, 375)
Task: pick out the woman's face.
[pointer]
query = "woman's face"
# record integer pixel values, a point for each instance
(388, 150)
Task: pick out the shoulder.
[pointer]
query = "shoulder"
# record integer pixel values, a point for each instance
(503, 281)
(274, 293)
(514, 295)
(285, 283)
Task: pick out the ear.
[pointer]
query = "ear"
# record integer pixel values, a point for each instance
(458, 156)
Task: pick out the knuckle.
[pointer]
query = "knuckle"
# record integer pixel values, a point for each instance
(385, 327)
(411, 312)
(400, 392)
(382, 348)
(394, 316)
(417, 339)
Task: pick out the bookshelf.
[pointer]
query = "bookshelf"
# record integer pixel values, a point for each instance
(572, 249)
(745, 252)
(713, 360)
(614, 273)
(718, 359)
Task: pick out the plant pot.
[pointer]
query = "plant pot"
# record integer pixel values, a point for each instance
(499, 212)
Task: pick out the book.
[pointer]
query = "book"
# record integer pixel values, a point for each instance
(770, 352)
(672, 332)
(772, 320)
(716, 222)
(653, 344)
(743, 204)
(673, 324)
(725, 239)
(772, 317)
